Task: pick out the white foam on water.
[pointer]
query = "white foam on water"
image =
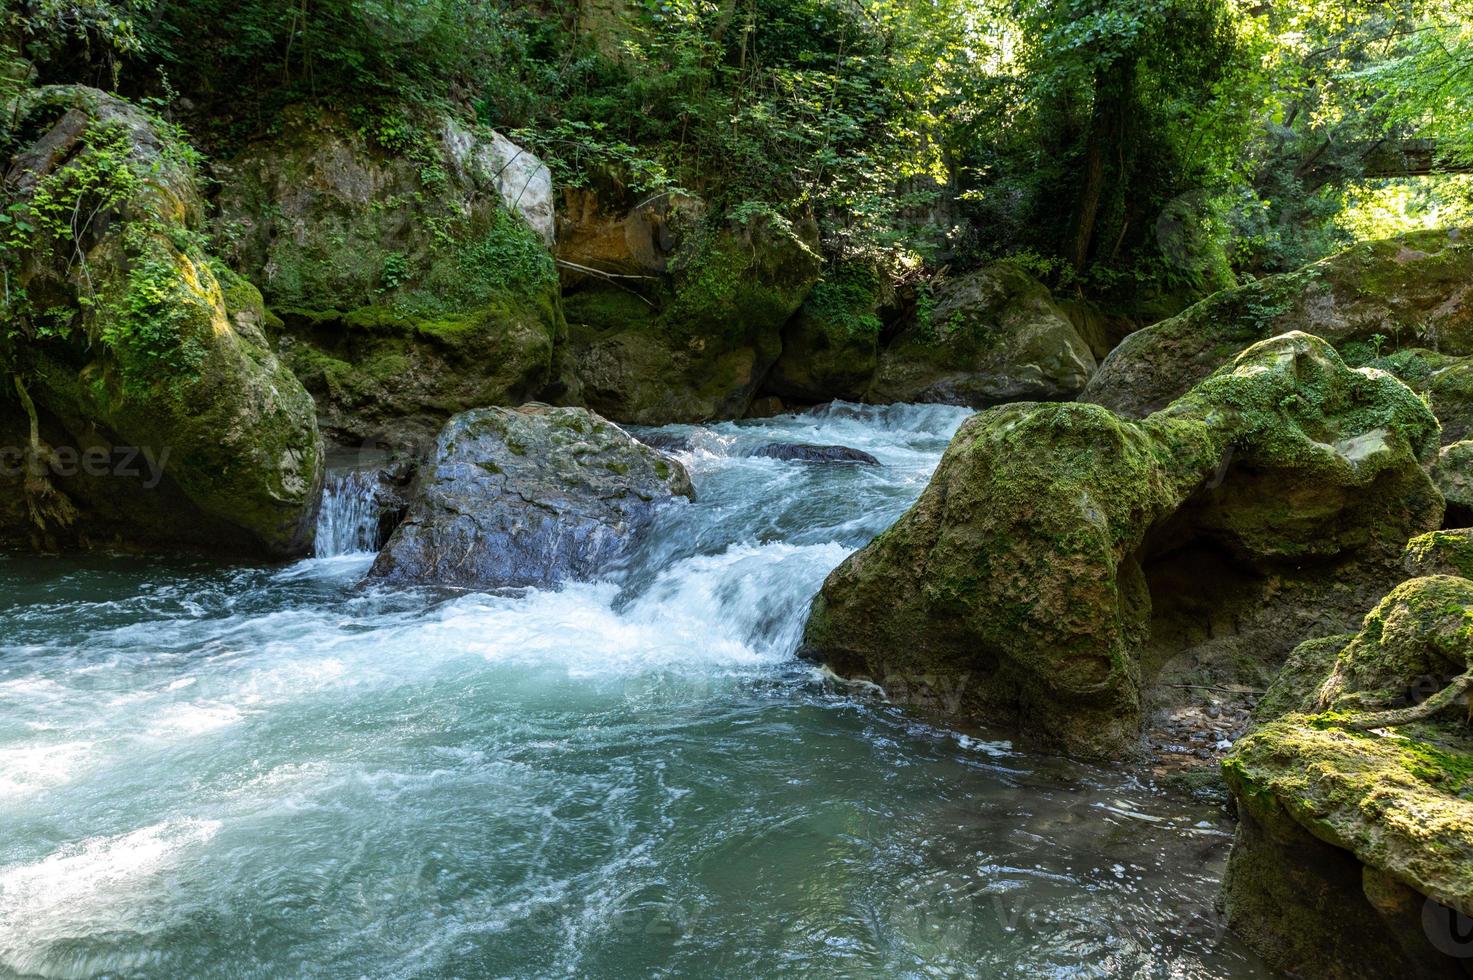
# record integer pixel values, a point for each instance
(185, 720)
(99, 886)
(28, 770)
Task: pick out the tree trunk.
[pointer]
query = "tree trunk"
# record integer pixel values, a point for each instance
(1108, 132)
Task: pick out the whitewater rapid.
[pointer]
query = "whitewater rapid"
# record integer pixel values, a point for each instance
(213, 771)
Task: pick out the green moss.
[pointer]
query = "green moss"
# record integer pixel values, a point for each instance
(1370, 301)
(846, 299)
(160, 350)
(728, 278)
(1021, 561)
(1396, 798)
(608, 309)
(1448, 771)
(735, 285)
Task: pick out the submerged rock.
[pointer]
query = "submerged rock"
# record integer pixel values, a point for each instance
(161, 415)
(989, 337)
(814, 454)
(533, 496)
(1051, 566)
(1355, 797)
(1375, 298)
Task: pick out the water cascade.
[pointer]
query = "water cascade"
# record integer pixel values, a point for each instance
(348, 523)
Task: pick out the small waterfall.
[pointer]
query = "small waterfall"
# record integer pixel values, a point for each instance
(348, 522)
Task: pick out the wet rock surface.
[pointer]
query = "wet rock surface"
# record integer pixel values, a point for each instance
(815, 454)
(534, 496)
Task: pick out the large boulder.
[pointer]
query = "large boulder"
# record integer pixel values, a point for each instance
(136, 366)
(1412, 291)
(1354, 851)
(985, 338)
(701, 349)
(1062, 555)
(410, 269)
(533, 496)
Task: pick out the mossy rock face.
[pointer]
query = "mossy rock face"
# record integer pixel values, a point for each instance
(1019, 575)
(1440, 553)
(1453, 475)
(1411, 291)
(1444, 381)
(703, 353)
(989, 337)
(1325, 460)
(1422, 631)
(832, 347)
(409, 289)
(1361, 786)
(1300, 677)
(387, 380)
(130, 337)
(1013, 582)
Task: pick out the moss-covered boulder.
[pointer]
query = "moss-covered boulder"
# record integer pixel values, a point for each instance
(831, 348)
(1445, 382)
(985, 338)
(1024, 580)
(410, 267)
(701, 348)
(1440, 553)
(1406, 292)
(154, 409)
(1453, 475)
(1355, 798)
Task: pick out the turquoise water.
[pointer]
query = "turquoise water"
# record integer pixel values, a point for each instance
(210, 771)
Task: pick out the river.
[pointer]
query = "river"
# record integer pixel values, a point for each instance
(240, 772)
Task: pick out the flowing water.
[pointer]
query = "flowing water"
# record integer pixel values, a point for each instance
(211, 771)
(348, 521)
